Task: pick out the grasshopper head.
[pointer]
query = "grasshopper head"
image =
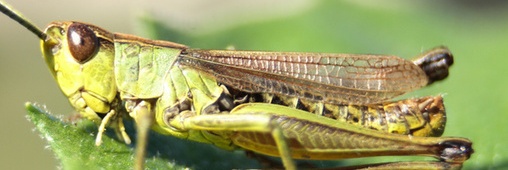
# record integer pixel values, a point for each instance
(81, 58)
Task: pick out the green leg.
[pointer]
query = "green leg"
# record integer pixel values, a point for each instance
(253, 122)
(102, 127)
(118, 126)
(412, 165)
(142, 113)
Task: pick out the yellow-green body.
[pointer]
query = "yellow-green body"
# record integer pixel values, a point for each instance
(178, 91)
(291, 105)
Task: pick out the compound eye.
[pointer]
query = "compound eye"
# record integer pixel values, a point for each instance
(82, 42)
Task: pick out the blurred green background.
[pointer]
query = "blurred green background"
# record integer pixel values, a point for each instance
(476, 93)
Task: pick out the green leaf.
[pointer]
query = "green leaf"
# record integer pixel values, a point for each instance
(73, 144)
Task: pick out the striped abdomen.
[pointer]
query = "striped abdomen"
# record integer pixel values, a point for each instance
(424, 116)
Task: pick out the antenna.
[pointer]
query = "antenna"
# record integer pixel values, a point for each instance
(21, 20)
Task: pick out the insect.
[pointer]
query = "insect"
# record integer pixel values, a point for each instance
(291, 105)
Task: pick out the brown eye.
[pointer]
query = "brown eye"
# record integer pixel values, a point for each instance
(82, 42)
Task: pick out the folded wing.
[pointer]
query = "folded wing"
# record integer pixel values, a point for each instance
(320, 77)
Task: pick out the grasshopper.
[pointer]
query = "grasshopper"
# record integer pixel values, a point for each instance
(292, 105)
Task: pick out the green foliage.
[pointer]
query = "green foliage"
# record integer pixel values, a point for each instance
(74, 145)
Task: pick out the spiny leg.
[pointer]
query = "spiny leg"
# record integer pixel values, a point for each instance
(282, 145)
(119, 128)
(255, 122)
(102, 127)
(143, 116)
(434, 165)
(120, 131)
(451, 151)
